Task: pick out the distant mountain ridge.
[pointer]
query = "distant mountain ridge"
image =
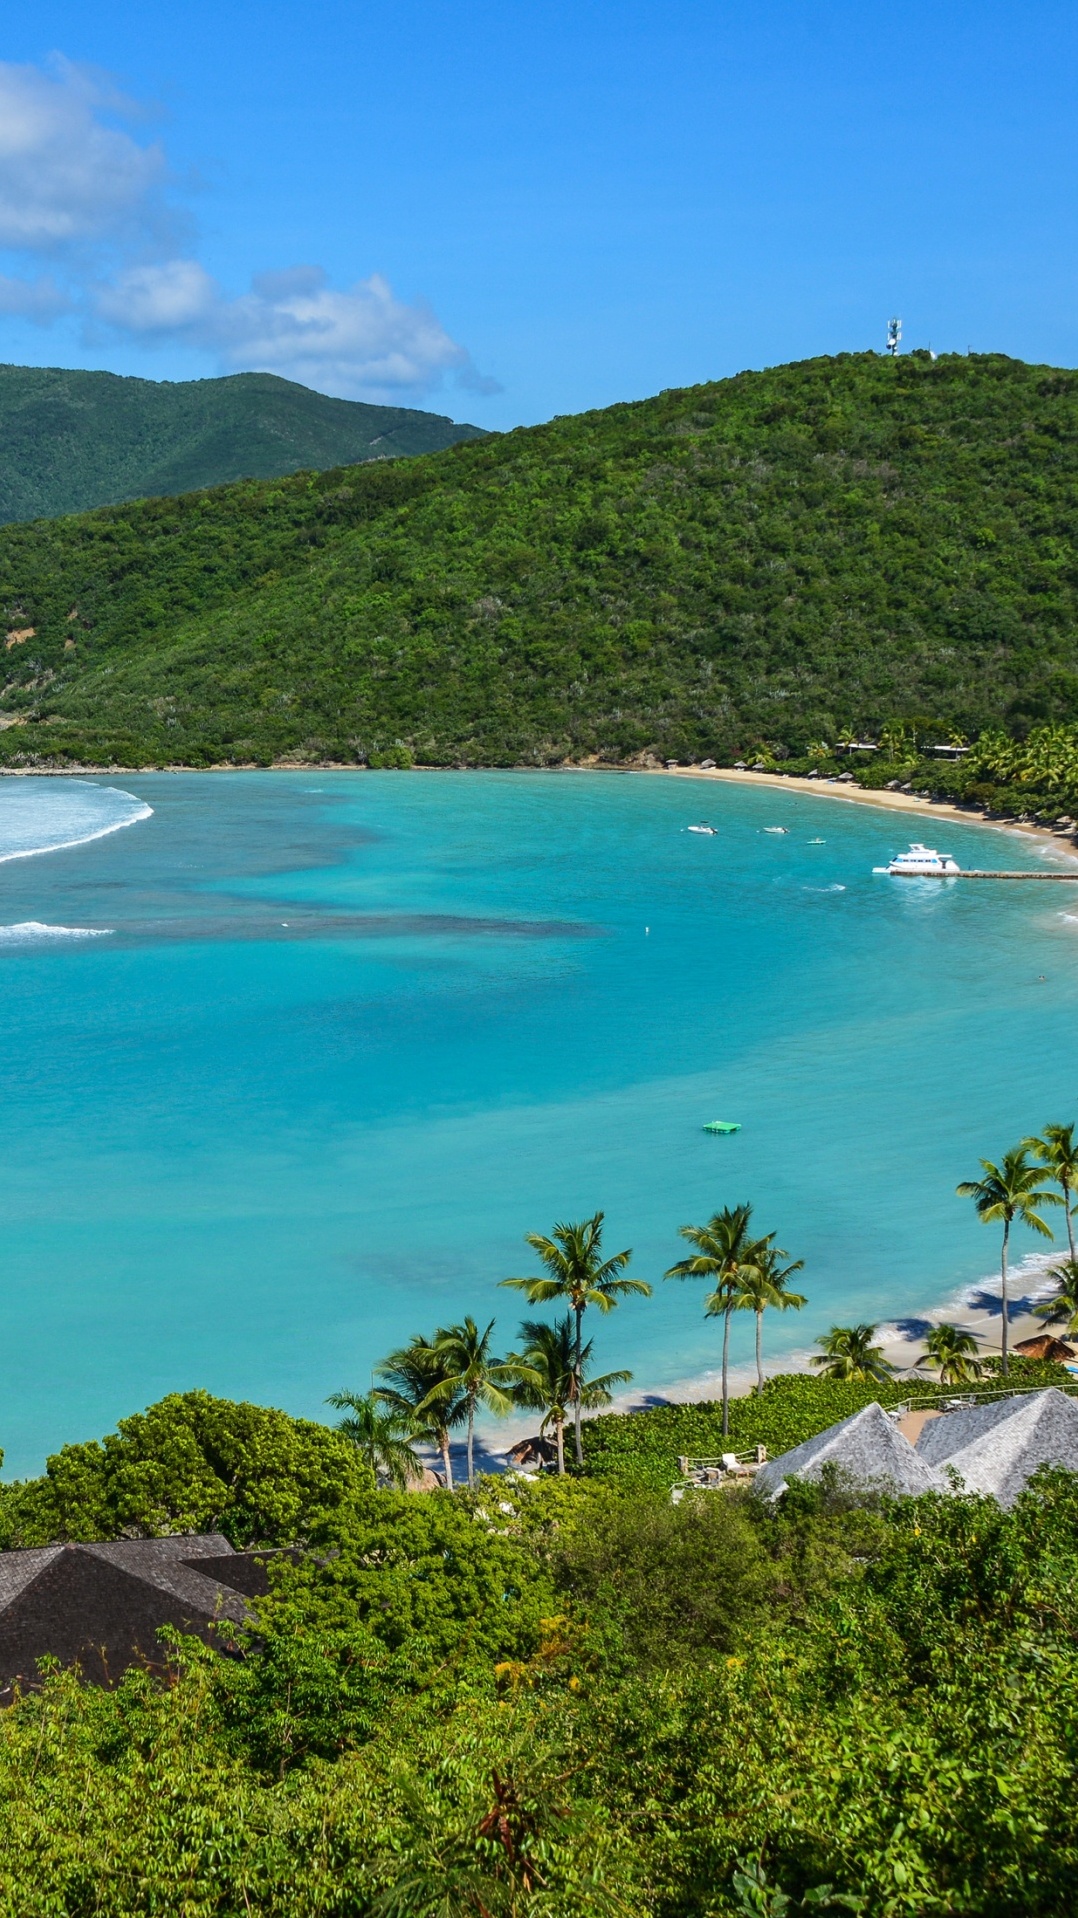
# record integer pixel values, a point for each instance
(71, 440)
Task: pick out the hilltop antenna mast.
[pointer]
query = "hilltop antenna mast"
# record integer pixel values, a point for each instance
(894, 334)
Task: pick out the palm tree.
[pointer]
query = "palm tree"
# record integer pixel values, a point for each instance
(470, 1374)
(762, 1283)
(1058, 1152)
(411, 1372)
(578, 1274)
(848, 1353)
(1062, 1308)
(383, 1437)
(723, 1250)
(954, 1351)
(547, 1379)
(898, 740)
(1009, 1191)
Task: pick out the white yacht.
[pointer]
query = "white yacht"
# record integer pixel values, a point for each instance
(921, 862)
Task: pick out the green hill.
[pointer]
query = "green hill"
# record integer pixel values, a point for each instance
(763, 560)
(76, 440)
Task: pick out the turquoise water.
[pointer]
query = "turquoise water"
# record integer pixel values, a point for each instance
(341, 1039)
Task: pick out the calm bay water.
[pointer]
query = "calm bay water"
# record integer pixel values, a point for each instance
(341, 1039)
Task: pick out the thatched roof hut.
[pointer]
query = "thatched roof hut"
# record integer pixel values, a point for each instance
(1044, 1346)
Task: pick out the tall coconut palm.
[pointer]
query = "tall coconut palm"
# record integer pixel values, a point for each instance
(578, 1276)
(1062, 1307)
(954, 1351)
(472, 1375)
(547, 1379)
(762, 1283)
(1058, 1153)
(383, 1437)
(723, 1255)
(411, 1373)
(1006, 1192)
(848, 1353)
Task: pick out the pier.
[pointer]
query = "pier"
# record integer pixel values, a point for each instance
(1064, 877)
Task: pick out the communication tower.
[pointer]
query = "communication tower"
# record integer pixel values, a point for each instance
(894, 334)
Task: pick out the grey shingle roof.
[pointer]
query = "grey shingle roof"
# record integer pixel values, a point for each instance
(103, 1605)
(17, 1569)
(164, 1562)
(942, 1437)
(997, 1448)
(867, 1450)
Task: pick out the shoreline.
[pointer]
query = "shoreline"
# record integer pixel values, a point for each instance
(778, 782)
(860, 796)
(901, 1337)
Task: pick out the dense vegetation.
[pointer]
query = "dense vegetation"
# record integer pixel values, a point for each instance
(558, 1698)
(75, 440)
(751, 565)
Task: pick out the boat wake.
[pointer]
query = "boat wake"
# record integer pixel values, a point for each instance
(39, 816)
(31, 931)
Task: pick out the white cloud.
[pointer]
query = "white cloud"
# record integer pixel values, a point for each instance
(159, 299)
(66, 176)
(361, 340)
(76, 186)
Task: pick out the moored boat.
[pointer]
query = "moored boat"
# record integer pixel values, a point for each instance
(921, 862)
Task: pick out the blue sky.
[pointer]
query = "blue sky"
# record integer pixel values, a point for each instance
(514, 210)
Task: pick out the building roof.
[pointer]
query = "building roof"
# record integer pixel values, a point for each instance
(102, 1605)
(867, 1450)
(944, 1436)
(1044, 1346)
(997, 1448)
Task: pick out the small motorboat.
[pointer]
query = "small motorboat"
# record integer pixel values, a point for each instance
(782, 829)
(710, 830)
(721, 1125)
(817, 842)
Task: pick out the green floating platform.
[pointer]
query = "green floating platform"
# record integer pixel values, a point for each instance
(721, 1125)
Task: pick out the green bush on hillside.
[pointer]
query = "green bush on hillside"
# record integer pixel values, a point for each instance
(190, 1463)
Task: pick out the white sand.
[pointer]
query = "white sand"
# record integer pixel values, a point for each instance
(1060, 842)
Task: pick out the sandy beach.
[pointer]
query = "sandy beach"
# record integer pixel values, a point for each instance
(977, 1310)
(857, 796)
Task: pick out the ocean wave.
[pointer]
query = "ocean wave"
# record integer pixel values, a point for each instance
(28, 930)
(39, 816)
(835, 888)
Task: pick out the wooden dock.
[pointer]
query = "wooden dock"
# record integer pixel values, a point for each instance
(1065, 877)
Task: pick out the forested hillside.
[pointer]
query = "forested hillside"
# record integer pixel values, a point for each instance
(74, 440)
(754, 563)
